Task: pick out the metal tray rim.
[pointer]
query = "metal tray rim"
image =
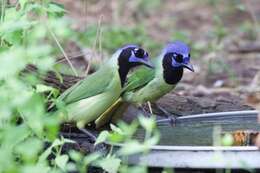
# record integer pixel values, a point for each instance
(197, 148)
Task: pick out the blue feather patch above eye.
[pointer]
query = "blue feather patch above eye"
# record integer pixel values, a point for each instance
(177, 46)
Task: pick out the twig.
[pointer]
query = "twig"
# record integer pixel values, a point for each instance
(72, 56)
(97, 41)
(63, 52)
(150, 107)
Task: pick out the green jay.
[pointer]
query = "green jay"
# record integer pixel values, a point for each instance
(146, 84)
(89, 98)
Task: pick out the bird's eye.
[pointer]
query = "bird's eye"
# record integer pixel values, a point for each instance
(140, 53)
(178, 57)
(136, 50)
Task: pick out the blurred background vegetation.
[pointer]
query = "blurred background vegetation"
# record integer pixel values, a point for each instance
(223, 35)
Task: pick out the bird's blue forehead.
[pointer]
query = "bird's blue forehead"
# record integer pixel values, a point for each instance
(178, 52)
(178, 47)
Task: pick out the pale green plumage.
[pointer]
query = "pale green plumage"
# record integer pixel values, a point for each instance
(143, 85)
(146, 84)
(89, 98)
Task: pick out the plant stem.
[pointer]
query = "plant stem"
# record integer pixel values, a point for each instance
(63, 52)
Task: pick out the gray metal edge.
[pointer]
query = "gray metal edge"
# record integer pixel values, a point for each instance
(200, 156)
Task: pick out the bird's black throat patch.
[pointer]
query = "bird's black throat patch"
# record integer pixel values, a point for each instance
(124, 64)
(171, 75)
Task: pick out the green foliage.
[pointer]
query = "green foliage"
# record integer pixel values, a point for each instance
(25, 124)
(110, 164)
(82, 162)
(123, 133)
(113, 37)
(33, 32)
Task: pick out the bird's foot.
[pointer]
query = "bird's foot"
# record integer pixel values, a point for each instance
(171, 117)
(173, 120)
(145, 113)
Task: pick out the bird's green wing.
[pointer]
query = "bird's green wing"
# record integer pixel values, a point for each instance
(139, 78)
(93, 84)
(136, 79)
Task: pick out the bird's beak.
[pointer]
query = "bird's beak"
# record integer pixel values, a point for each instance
(188, 66)
(147, 63)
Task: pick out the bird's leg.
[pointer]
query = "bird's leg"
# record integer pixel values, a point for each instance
(141, 107)
(92, 137)
(172, 117)
(150, 107)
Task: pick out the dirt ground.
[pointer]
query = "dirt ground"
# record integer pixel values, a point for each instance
(224, 36)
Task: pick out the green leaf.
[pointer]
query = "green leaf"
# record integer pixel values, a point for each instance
(23, 3)
(115, 137)
(48, 151)
(12, 26)
(33, 117)
(11, 62)
(153, 140)
(132, 147)
(55, 8)
(35, 168)
(110, 164)
(76, 156)
(29, 153)
(102, 137)
(133, 169)
(91, 158)
(40, 88)
(15, 135)
(147, 123)
(116, 129)
(61, 161)
(129, 130)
